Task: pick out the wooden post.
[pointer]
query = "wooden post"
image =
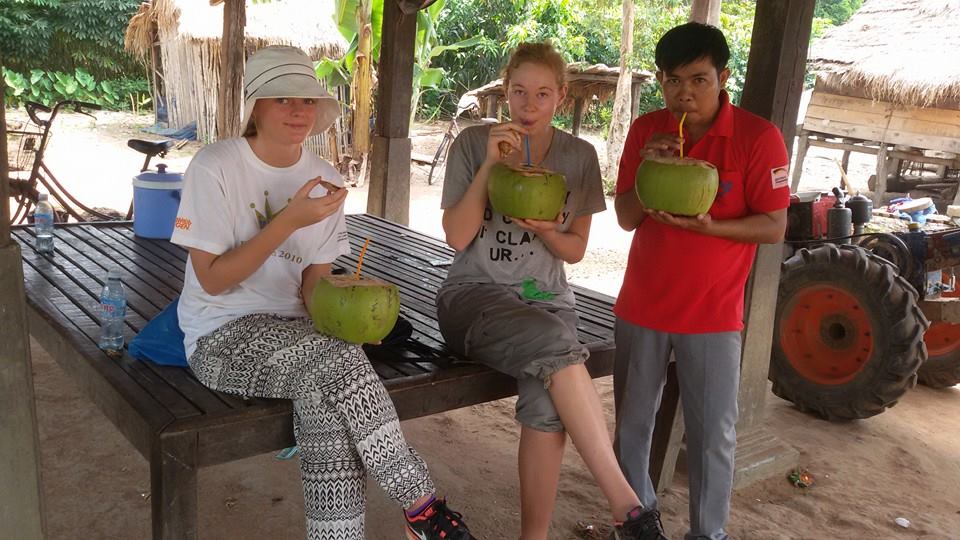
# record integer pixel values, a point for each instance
(778, 54)
(705, 11)
(777, 62)
(155, 67)
(21, 505)
(881, 175)
(577, 116)
(389, 191)
(230, 95)
(803, 144)
(635, 90)
(173, 486)
(491, 106)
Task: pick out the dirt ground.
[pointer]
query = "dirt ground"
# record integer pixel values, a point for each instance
(902, 463)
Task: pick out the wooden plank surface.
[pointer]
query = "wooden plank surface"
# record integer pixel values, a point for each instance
(928, 128)
(422, 376)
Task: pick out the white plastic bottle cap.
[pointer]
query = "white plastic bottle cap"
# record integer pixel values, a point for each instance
(42, 197)
(113, 273)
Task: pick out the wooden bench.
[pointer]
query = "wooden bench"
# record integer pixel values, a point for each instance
(179, 425)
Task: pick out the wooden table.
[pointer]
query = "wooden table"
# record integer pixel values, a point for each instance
(178, 424)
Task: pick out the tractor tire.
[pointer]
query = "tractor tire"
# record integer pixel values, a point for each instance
(848, 335)
(942, 368)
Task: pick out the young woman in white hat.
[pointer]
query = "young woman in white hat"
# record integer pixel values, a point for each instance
(263, 220)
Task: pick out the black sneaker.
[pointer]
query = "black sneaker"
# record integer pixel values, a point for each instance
(641, 524)
(437, 522)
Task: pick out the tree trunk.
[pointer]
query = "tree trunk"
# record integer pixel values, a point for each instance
(620, 123)
(706, 11)
(230, 95)
(4, 173)
(362, 91)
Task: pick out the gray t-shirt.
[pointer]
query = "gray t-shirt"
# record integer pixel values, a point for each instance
(502, 252)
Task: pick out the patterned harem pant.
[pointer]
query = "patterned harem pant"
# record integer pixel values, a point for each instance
(344, 421)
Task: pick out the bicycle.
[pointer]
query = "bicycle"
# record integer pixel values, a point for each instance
(27, 146)
(468, 104)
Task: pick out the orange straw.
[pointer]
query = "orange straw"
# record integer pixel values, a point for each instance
(360, 261)
(682, 118)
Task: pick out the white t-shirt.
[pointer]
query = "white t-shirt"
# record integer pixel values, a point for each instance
(229, 195)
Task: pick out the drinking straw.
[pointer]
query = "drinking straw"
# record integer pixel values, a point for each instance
(682, 118)
(356, 275)
(526, 143)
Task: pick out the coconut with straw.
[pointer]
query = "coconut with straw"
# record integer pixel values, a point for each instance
(354, 308)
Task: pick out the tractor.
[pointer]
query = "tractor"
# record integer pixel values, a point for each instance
(867, 306)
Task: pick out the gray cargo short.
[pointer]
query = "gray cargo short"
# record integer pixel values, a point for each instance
(528, 340)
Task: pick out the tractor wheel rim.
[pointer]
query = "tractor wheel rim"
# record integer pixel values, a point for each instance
(942, 338)
(826, 335)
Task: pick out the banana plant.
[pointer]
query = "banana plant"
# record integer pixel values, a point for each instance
(342, 72)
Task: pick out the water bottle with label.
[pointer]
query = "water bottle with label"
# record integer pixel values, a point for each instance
(113, 309)
(43, 224)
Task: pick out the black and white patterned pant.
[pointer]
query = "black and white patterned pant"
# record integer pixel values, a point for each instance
(344, 420)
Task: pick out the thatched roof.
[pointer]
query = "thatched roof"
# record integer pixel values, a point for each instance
(902, 51)
(307, 24)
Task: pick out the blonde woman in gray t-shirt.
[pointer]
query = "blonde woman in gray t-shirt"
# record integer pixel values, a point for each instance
(506, 302)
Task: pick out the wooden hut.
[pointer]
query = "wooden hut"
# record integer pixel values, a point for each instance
(181, 41)
(888, 84)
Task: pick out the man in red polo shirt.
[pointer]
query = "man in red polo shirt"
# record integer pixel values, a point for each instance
(684, 284)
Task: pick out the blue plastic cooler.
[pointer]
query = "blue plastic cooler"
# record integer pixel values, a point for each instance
(156, 199)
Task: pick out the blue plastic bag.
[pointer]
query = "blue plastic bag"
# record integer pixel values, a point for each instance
(161, 340)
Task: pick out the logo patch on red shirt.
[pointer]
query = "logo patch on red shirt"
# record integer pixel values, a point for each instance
(780, 177)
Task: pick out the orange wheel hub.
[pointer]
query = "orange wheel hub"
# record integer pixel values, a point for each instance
(942, 338)
(826, 335)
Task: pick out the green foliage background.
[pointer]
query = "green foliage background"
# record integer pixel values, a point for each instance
(70, 49)
(587, 31)
(59, 49)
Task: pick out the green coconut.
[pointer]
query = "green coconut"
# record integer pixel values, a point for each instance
(681, 186)
(355, 310)
(526, 192)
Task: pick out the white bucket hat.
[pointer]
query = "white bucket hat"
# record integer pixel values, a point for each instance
(282, 71)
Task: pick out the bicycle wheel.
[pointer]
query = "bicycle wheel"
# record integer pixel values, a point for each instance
(438, 166)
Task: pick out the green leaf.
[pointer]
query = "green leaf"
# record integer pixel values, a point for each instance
(462, 44)
(431, 77)
(85, 79)
(36, 75)
(71, 87)
(332, 72)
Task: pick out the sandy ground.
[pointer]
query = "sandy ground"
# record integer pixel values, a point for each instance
(902, 463)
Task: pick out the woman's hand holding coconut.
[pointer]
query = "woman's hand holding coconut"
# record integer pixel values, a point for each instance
(505, 139)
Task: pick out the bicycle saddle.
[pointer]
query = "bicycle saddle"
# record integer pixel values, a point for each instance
(150, 148)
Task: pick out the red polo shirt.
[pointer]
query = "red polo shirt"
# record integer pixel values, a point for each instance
(680, 281)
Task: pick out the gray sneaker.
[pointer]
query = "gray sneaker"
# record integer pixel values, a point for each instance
(641, 524)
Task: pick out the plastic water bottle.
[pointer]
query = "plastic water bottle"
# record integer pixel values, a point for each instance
(43, 225)
(113, 309)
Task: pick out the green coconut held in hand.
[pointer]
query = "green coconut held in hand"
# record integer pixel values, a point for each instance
(353, 308)
(681, 186)
(526, 192)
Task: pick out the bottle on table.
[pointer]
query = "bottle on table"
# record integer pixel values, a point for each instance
(113, 310)
(43, 225)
